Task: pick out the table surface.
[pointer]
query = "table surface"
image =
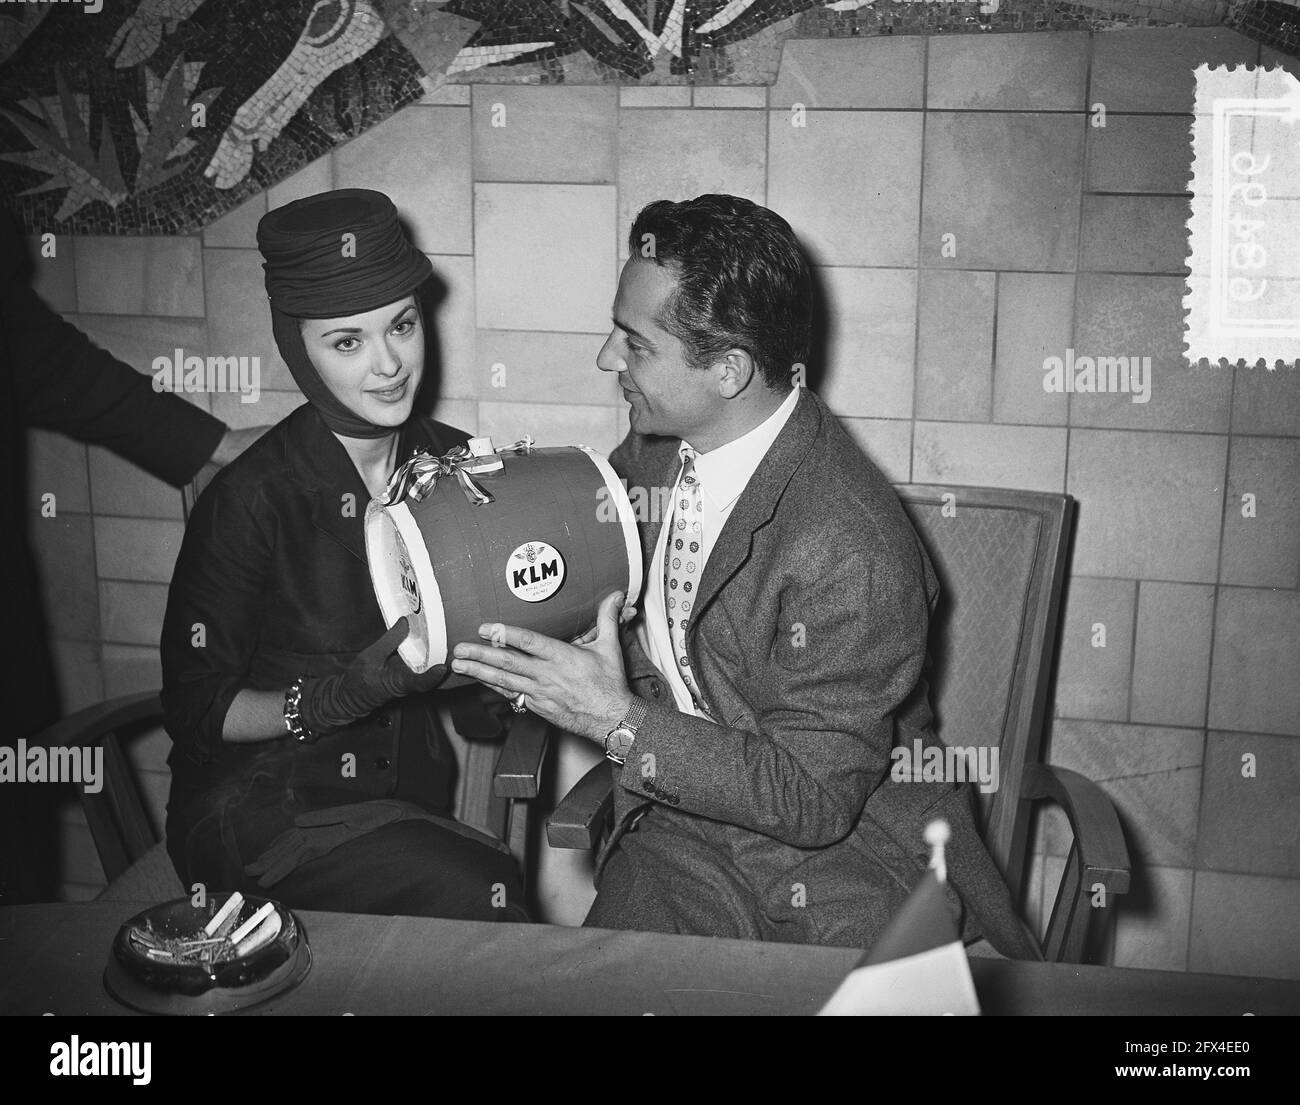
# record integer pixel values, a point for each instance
(52, 958)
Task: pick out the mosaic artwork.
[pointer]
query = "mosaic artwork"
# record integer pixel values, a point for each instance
(157, 117)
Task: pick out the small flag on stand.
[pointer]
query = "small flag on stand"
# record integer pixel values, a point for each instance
(918, 967)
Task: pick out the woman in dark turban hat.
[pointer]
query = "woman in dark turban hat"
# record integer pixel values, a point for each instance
(309, 763)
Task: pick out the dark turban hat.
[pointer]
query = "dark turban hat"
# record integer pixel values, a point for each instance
(331, 255)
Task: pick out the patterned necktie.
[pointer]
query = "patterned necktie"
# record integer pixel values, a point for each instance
(683, 566)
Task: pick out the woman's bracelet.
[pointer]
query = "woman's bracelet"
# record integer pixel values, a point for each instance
(293, 715)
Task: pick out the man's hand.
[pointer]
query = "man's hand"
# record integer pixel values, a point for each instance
(625, 616)
(234, 442)
(581, 688)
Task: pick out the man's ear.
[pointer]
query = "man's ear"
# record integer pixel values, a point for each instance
(736, 372)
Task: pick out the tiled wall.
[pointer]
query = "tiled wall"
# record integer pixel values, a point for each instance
(1067, 235)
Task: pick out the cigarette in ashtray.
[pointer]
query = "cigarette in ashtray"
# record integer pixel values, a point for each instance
(198, 947)
(231, 909)
(266, 929)
(252, 923)
(220, 941)
(146, 940)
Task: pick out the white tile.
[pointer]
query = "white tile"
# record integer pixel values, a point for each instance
(137, 548)
(520, 366)
(884, 72)
(970, 454)
(849, 183)
(551, 133)
(544, 256)
(668, 95)
(678, 155)
(139, 276)
(870, 343)
(315, 177)
(887, 443)
(724, 95)
(549, 424)
(420, 158)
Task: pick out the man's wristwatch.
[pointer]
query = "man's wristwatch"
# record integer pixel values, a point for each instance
(618, 741)
(292, 714)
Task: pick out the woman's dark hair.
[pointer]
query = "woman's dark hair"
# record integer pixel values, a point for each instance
(742, 281)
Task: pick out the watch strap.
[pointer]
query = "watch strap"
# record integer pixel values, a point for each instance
(635, 716)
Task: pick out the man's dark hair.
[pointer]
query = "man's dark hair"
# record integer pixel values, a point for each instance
(742, 281)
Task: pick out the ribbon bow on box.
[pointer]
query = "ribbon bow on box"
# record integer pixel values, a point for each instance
(417, 478)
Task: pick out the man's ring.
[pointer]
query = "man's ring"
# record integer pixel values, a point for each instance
(517, 704)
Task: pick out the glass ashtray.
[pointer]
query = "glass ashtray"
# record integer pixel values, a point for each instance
(178, 958)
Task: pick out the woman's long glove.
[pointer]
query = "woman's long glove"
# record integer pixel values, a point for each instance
(374, 678)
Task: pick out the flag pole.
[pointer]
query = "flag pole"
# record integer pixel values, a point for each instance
(936, 836)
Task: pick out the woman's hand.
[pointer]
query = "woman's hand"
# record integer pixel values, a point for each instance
(375, 677)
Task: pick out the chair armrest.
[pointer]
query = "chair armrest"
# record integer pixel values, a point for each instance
(519, 766)
(583, 815)
(89, 725)
(1103, 853)
(114, 813)
(1098, 857)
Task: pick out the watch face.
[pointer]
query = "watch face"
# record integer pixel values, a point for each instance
(620, 741)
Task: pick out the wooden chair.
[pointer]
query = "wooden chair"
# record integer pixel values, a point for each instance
(496, 780)
(1000, 556)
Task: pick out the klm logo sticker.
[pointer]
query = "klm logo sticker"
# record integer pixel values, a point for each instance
(410, 588)
(535, 571)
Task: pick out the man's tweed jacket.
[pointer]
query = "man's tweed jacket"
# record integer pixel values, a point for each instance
(807, 640)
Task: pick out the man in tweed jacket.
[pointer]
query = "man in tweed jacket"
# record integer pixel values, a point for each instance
(755, 800)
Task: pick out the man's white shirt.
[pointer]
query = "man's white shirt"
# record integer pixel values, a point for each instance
(723, 474)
